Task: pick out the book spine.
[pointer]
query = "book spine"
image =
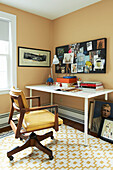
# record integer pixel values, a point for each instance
(90, 89)
(90, 85)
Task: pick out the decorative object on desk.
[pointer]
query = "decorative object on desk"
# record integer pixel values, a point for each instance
(31, 57)
(92, 86)
(49, 80)
(88, 57)
(102, 109)
(106, 130)
(79, 82)
(55, 61)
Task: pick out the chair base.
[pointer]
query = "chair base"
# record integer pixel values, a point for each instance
(33, 140)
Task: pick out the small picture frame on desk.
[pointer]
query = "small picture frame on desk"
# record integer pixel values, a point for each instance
(103, 109)
(106, 130)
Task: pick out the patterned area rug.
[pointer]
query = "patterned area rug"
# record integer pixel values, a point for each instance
(68, 150)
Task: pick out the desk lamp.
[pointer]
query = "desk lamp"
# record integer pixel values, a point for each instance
(50, 79)
(55, 61)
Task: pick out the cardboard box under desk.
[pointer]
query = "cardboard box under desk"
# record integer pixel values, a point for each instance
(66, 80)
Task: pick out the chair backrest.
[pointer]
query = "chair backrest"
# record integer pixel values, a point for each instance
(18, 102)
(19, 93)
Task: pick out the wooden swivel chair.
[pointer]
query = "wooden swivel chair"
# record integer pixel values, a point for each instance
(30, 120)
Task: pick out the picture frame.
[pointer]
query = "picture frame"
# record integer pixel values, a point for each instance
(91, 110)
(106, 130)
(31, 57)
(102, 109)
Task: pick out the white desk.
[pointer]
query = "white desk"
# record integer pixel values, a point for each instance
(82, 94)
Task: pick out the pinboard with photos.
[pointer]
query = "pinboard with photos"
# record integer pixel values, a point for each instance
(83, 57)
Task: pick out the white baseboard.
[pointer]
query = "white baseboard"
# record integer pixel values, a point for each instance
(4, 119)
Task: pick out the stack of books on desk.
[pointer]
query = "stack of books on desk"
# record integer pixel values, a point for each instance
(66, 81)
(91, 86)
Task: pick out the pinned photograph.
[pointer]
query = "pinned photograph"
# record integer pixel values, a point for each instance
(88, 66)
(100, 44)
(89, 46)
(68, 58)
(98, 63)
(60, 52)
(74, 68)
(81, 50)
(80, 68)
(71, 48)
(63, 70)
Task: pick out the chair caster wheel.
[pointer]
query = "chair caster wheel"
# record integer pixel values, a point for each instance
(51, 157)
(52, 137)
(21, 139)
(11, 158)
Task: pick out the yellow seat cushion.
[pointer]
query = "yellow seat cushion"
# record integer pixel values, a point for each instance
(39, 119)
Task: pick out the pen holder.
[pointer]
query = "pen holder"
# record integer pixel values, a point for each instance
(78, 83)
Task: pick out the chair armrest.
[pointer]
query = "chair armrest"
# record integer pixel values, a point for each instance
(34, 97)
(41, 108)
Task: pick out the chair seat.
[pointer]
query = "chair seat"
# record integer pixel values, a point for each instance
(39, 120)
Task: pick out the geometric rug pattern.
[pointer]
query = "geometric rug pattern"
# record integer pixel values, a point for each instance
(68, 150)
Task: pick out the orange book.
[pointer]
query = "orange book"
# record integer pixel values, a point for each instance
(66, 80)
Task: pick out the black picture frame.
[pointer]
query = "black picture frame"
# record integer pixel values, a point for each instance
(106, 130)
(100, 112)
(32, 57)
(88, 57)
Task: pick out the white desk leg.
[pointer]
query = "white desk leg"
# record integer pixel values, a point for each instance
(30, 96)
(86, 122)
(51, 98)
(51, 101)
(106, 96)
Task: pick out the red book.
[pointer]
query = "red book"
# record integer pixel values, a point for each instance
(90, 84)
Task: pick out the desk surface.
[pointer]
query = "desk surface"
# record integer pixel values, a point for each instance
(83, 94)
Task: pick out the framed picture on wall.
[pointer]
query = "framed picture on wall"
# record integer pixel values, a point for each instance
(31, 57)
(106, 130)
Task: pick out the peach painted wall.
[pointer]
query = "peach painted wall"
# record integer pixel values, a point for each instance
(35, 32)
(92, 22)
(89, 23)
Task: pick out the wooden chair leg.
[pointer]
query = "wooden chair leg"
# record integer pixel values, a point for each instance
(42, 137)
(43, 148)
(33, 141)
(19, 148)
